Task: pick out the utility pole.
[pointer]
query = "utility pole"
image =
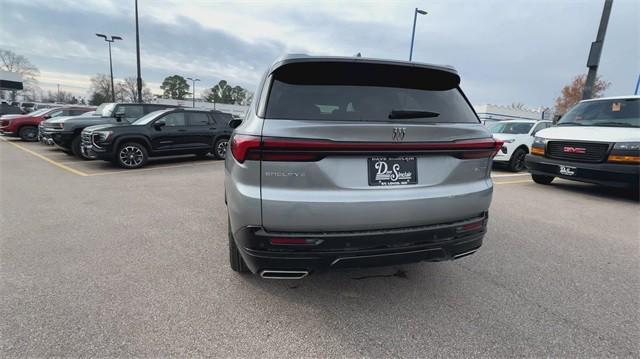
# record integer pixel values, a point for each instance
(596, 50)
(58, 97)
(139, 79)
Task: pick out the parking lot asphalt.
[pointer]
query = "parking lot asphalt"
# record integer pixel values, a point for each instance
(97, 261)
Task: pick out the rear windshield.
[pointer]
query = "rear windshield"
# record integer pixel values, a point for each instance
(604, 113)
(368, 94)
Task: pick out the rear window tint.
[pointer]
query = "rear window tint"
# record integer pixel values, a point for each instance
(364, 103)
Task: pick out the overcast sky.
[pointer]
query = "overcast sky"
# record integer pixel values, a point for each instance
(506, 51)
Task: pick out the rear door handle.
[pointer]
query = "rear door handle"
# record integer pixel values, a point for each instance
(182, 130)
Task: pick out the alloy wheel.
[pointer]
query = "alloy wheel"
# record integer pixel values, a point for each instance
(131, 156)
(221, 149)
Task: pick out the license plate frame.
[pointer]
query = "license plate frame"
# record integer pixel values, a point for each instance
(569, 171)
(385, 171)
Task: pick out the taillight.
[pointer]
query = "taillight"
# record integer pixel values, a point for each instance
(245, 147)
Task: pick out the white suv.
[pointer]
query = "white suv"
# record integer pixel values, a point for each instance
(597, 141)
(518, 137)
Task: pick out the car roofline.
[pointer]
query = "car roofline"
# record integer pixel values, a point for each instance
(627, 97)
(298, 58)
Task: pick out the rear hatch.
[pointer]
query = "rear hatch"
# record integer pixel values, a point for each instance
(361, 146)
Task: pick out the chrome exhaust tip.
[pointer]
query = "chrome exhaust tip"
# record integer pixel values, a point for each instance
(283, 274)
(464, 254)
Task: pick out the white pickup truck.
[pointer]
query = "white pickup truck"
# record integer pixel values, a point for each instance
(597, 141)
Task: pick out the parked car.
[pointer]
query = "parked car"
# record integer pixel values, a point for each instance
(7, 109)
(517, 136)
(27, 107)
(353, 162)
(26, 126)
(166, 132)
(65, 132)
(597, 141)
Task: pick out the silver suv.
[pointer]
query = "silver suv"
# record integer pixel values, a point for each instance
(353, 162)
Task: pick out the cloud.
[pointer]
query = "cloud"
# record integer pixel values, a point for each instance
(506, 51)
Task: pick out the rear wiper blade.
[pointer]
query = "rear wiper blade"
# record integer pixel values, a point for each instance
(569, 124)
(399, 114)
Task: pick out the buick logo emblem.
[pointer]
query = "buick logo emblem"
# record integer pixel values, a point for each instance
(569, 149)
(398, 134)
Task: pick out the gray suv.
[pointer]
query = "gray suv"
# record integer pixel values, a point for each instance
(354, 162)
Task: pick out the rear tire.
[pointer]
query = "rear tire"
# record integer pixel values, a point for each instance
(131, 155)
(542, 179)
(28, 133)
(516, 163)
(220, 148)
(235, 259)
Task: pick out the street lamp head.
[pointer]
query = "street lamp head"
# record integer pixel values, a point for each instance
(421, 12)
(101, 35)
(115, 38)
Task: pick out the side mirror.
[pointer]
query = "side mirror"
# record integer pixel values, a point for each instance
(235, 123)
(46, 117)
(159, 124)
(119, 114)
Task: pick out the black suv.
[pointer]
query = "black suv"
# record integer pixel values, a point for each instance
(65, 131)
(161, 133)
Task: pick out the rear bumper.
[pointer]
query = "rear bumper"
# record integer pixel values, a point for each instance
(607, 174)
(361, 249)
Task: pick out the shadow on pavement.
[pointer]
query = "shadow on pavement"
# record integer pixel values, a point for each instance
(597, 191)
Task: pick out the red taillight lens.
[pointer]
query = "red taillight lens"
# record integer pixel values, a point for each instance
(244, 147)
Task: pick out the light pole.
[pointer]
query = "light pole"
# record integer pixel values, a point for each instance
(113, 38)
(139, 79)
(413, 33)
(596, 49)
(194, 89)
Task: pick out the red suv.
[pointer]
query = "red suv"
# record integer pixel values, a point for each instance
(26, 126)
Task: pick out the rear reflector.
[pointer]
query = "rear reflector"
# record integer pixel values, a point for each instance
(294, 241)
(469, 226)
(245, 147)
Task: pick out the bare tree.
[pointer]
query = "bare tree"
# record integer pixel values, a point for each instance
(572, 93)
(127, 91)
(518, 106)
(12, 62)
(100, 90)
